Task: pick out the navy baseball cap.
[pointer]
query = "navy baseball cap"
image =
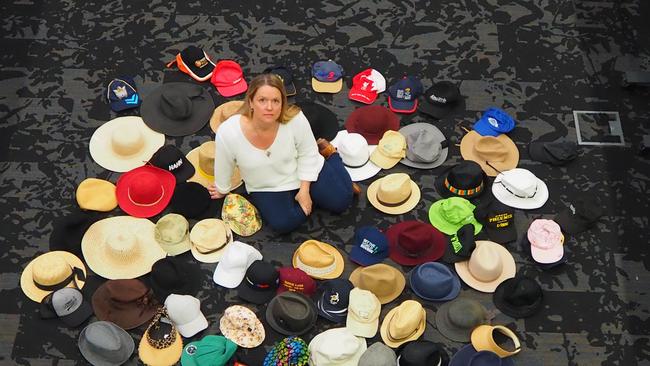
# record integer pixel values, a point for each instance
(122, 95)
(327, 77)
(370, 246)
(285, 74)
(403, 95)
(494, 122)
(333, 299)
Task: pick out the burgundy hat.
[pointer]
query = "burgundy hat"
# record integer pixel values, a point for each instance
(145, 191)
(127, 303)
(414, 242)
(296, 280)
(371, 122)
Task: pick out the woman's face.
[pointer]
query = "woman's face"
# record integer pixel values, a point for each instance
(267, 104)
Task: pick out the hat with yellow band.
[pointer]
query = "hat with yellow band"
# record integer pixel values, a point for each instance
(202, 158)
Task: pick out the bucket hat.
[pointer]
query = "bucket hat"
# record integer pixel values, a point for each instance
(323, 122)
(260, 283)
(433, 281)
(469, 356)
(211, 350)
(177, 109)
(296, 280)
(195, 62)
(285, 74)
(554, 153)
(385, 281)
(232, 266)
(426, 146)
(241, 325)
(498, 221)
(372, 122)
(488, 266)
(494, 122)
(127, 303)
(291, 313)
(67, 304)
(191, 200)
(519, 188)
(105, 343)
(450, 214)
(172, 232)
(390, 150)
(333, 299)
(223, 112)
(209, 240)
(355, 154)
(96, 195)
(546, 241)
(483, 340)
(124, 143)
(378, 354)
(500, 152)
(441, 99)
(337, 346)
(394, 194)
(171, 275)
(291, 351)
(581, 215)
(145, 191)
(456, 319)
(465, 179)
(363, 313)
(327, 77)
(202, 158)
(185, 312)
(460, 245)
(519, 297)
(370, 246)
(414, 242)
(68, 230)
(170, 158)
(228, 78)
(121, 94)
(404, 323)
(366, 85)
(121, 247)
(422, 353)
(52, 271)
(403, 95)
(161, 344)
(241, 216)
(319, 260)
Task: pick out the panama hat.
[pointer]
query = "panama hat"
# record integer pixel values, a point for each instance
(488, 266)
(124, 143)
(145, 191)
(96, 195)
(161, 344)
(426, 146)
(52, 271)
(499, 152)
(223, 112)
(121, 247)
(519, 188)
(385, 281)
(394, 194)
(404, 323)
(209, 239)
(355, 154)
(319, 260)
(202, 158)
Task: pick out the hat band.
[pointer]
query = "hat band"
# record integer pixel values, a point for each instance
(204, 174)
(76, 273)
(128, 193)
(260, 286)
(318, 271)
(463, 192)
(517, 195)
(358, 165)
(198, 248)
(395, 204)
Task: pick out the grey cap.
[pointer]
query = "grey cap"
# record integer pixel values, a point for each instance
(426, 146)
(105, 344)
(378, 354)
(67, 304)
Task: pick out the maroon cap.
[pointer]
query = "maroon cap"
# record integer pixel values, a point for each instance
(414, 242)
(296, 280)
(127, 303)
(371, 122)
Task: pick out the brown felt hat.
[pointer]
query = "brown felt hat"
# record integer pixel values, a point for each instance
(127, 303)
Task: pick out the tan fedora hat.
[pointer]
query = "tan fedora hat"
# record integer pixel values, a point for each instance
(394, 194)
(124, 143)
(319, 260)
(96, 195)
(385, 281)
(500, 152)
(52, 271)
(403, 324)
(488, 266)
(210, 238)
(203, 160)
(121, 247)
(223, 112)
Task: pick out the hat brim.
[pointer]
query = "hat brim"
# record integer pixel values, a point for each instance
(192, 328)
(355, 276)
(253, 295)
(502, 236)
(79, 316)
(93, 246)
(160, 357)
(449, 330)
(327, 87)
(447, 227)
(126, 318)
(362, 96)
(231, 90)
(386, 323)
(36, 294)
(383, 161)
(361, 329)
(464, 355)
(69, 229)
(125, 352)
(368, 170)
(439, 137)
(439, 112)
(333, 317)
(205, 178)
(134, 101)
(516, 312)
(570, 224)
(215, 256)
(453, 293)
(154, 117)
(392, 233)
(128, 179)
(405, 207)
(538, 152)
(191, 200)
(402, 107)
(101, 149)
(177, 248)
(443, 191)
(282, 330)
(547, 256)
(508, 199)
(508, 270)
(223, 112)
(510, 162)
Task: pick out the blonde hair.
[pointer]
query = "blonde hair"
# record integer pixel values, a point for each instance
(288, 110)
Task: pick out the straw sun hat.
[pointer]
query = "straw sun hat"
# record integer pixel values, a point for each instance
(51, 271)
(202, 158)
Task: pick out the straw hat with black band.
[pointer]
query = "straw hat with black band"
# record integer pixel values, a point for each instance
(50, 272)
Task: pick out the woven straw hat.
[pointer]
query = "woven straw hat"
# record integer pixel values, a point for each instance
(394, 194)
(51, 271)
(202, 158)
(223, 112)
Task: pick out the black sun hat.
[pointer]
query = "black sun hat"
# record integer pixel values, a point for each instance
(69, 229)
(190, 199)
(323, 121)
(171, 275)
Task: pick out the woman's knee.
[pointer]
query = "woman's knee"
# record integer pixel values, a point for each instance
(285, 223)
(338, 203)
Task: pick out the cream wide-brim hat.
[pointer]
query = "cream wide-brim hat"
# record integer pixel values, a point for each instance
(404, 207)
(169, 356)
(508, 269)
(95, 248)
(205, 179)
(131, 131)
(27, 280)
(223, 112)
(511, 160)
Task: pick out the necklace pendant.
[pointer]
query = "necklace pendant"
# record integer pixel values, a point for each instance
(268, 153)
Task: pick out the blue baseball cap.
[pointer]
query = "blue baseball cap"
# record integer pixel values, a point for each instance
(370, 246)
(122, 95)
(403, 95)
(327, 77)
(494, 122)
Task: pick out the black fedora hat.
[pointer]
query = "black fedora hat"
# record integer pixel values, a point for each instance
(191, 200)
(70, 229)
(291, 313)
(460, 245)
(441, 99)
(554, 153)
(171, 275)
(421, 353)
(260, 283)
(177, 109)
(465, 179)
(323, 122)
(169, 157)
(519, 297)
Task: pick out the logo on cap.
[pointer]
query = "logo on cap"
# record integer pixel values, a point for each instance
(70, 304)
(438, 99)
(201, 63)
(191, 349)
(121, 92)
(501, 220)
(573, 209)
(293, 286)
(334, 298)
(369, 246)
(456, 243)
(175, 165)
(493, 122)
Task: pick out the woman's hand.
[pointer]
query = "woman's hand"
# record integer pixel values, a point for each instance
(214, 194)
(304, 200)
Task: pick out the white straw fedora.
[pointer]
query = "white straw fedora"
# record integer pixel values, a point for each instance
(124, 143)
(394, 194)
(488, 266)
(355, 153)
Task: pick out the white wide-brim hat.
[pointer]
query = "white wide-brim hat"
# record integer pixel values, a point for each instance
(519, 188)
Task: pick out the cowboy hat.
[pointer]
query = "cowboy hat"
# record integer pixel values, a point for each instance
(394, 194)
(499, 152)
(52, 271)
(488, 266)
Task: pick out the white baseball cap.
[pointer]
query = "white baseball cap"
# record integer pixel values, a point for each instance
(185, 312)
(235, 261)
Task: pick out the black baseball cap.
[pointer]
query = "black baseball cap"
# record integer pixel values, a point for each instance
(441, 99)
(286, 75)
(554, 153)
(580, 215)
(170, 158)
(260, 283)
(498, 221)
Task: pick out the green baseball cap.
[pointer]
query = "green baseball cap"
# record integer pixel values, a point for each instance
(211, 350)
(450, 214)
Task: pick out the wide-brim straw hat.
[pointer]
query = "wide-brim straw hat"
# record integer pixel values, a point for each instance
(51, 267)
(124, 143)
(223, 112)
(121, 247)
(204, 166)
(490, 260)
(397, 186)
(501, 152)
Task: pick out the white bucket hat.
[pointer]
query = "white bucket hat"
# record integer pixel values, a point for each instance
(232, 267)
(210, 238)
(355, 153)
(336, 346)
(519, 188)
(124, 143)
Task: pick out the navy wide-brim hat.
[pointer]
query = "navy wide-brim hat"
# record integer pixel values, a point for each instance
(323, 122)
(468, 355)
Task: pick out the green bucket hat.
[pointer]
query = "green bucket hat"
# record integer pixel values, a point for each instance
(172, 232)
(211, 350)
(450, 214)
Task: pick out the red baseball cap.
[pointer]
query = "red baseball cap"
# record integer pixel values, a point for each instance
(414, 242)
(228, 78)
(372, 122)
(296, 280)
(366, 85)
(145, 191)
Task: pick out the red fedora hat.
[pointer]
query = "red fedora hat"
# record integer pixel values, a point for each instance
(145, 191)
(371, 122)
(414, 242)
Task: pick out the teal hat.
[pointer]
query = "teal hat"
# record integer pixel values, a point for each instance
(450, 214)
(212, 350)
(290, 351)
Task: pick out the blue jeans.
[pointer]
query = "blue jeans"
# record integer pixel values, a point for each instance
(332, 191)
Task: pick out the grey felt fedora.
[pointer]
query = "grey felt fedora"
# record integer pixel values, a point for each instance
(426, 146)
(103, 343)
(456, 319)
(378, 354)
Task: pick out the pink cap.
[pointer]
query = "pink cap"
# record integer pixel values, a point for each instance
(546, 241)
(228, 78)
